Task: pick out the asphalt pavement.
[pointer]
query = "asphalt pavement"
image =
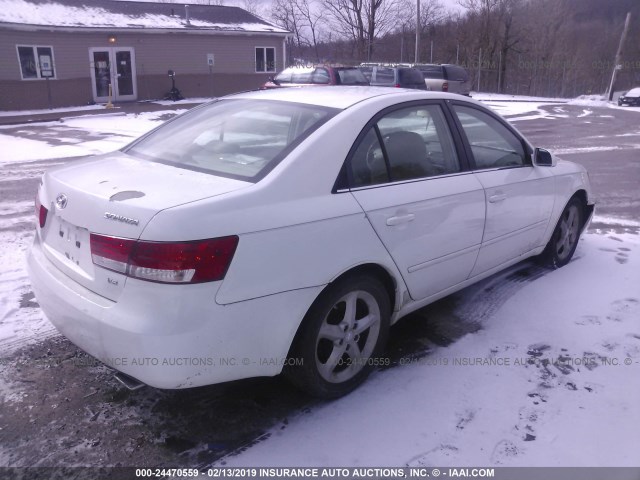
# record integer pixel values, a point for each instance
(606, 141)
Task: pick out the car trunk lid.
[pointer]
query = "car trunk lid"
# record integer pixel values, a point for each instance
(114, 195)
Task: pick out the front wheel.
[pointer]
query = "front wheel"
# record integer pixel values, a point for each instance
(564, 240)
(340, 337)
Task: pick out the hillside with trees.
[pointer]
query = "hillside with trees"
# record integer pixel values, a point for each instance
(554, 48)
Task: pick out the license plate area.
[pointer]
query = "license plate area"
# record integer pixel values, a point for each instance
(71, 243)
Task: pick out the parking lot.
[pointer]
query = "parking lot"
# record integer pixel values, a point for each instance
(61, 407)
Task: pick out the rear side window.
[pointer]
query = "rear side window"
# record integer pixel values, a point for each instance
(321, 76)
(405, 144)
(351, 76)
(367, 72)
(242, 139)
(385, 75)
(493, 145)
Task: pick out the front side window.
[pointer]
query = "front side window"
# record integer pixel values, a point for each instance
(493, 145)
(405, 144)
(242, 139)
(265, 59)
(35, 62)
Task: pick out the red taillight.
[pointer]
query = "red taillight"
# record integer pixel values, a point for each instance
(445, 87)
(165, 262)
(111, 252)
(41, 212)
(397, 85)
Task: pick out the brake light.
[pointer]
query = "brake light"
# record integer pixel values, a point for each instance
(41, 212)
(165, 262)
(445, 87)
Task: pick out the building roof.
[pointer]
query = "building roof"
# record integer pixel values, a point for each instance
(112, 14)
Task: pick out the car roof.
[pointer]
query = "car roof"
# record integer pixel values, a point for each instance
(335, 96)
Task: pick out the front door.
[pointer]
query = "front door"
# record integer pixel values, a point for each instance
(113, 66)
(519, 195)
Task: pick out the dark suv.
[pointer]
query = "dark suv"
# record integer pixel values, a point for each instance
(393, 76)
(445, 78)
(316, 75)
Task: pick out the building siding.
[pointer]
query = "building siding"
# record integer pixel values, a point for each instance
(155, 54)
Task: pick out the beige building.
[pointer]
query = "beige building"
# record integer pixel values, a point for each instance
(56, 53)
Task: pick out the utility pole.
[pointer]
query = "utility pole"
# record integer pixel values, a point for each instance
(616, 62)
(479, 67)
(417, 56)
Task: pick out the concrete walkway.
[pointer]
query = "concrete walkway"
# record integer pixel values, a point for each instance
(126, 107)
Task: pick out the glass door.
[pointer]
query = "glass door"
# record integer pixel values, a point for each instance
(113, 66)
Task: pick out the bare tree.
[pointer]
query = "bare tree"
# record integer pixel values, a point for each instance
(252, 6)
(362, 21)
(286, 14)
(313, 19)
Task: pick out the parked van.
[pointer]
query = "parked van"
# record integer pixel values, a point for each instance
(400, 76)
(445, 78)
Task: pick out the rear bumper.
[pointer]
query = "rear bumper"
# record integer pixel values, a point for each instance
(171, 336)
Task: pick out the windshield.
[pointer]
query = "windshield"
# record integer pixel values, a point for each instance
(241, 139)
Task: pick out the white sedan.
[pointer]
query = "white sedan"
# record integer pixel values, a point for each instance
(286, 230)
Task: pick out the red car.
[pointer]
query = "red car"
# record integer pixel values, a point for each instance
(316, 75)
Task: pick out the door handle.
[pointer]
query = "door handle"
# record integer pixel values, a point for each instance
(498, 197)
(409, 217)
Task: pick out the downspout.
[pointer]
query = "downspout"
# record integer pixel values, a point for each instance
(284, 53)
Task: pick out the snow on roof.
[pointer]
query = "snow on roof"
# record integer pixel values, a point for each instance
(130, 15)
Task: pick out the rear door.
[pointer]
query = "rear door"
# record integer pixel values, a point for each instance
(519, 196)
(406, 172)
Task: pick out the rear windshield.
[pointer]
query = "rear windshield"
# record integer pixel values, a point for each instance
(457, 74)
(351, 76)
(431, 71)
(235, 138)
(410, 76)
(310, 75)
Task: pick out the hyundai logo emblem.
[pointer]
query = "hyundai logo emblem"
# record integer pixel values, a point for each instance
(61, 201)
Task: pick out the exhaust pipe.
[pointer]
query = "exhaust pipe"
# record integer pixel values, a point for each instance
(128, 381)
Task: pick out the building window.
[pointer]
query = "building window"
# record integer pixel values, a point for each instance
(36, 62)
(265, 59)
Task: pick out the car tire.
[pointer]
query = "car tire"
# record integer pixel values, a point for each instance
(564, 239)
(341, 338)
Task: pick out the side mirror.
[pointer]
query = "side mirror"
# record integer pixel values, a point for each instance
(543, 158)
